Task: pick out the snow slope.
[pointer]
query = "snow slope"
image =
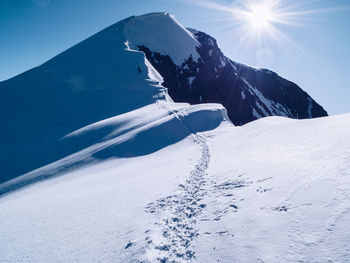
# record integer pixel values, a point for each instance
(98, 164)
(107, 75)
(291, 190)
(275, 190)
(139, 132)
(99, 78)
(94, 80)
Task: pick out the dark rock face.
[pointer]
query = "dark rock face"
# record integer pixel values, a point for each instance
(247, 93)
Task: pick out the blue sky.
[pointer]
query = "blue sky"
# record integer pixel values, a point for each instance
(311, 49)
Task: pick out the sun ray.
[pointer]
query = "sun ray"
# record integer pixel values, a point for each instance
(256, 24)
(260, 16)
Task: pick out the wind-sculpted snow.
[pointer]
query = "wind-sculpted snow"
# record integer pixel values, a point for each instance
(99, 78)
(115, 72)
(96, 79)
(144, 179)
(132, 134)
(275, 190)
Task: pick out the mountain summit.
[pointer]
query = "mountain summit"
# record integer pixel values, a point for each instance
(196, 71)
(128, 175)
(72, 109)
(131, 64)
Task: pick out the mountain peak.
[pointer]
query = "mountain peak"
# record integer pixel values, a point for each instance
(123, 68)
(156, 14)
(161, 32)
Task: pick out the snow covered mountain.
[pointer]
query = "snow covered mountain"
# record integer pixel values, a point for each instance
(112, 73)
(204, 75)
(108, 168)
(100, 78)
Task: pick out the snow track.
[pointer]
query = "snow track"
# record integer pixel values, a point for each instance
(275, 190)
(200, 203)
(171, 240)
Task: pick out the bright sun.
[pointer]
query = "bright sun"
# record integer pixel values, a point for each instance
(260, 16)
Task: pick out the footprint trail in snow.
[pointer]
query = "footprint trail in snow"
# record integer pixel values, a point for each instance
(179, 215)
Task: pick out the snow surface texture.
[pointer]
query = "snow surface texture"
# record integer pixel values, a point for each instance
(101, 77)
(94, 80)
(135, 133)
(144, 179)
(275, 190)
(106, 75)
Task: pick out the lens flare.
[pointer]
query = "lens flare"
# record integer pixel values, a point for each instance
(260, 16)
(258, 27)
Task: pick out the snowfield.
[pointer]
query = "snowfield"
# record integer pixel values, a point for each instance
(290, 181)
(98, 164)
(275, 190)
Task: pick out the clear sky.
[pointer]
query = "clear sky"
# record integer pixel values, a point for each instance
(310, 45)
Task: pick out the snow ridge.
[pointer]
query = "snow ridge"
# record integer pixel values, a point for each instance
(169, 37)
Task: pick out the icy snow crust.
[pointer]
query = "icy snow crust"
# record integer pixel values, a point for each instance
(275, 190)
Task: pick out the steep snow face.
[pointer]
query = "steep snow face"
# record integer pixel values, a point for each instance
(275, 190)
(108, 75)
(161, 33)
(98, 78)
(101, 77)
